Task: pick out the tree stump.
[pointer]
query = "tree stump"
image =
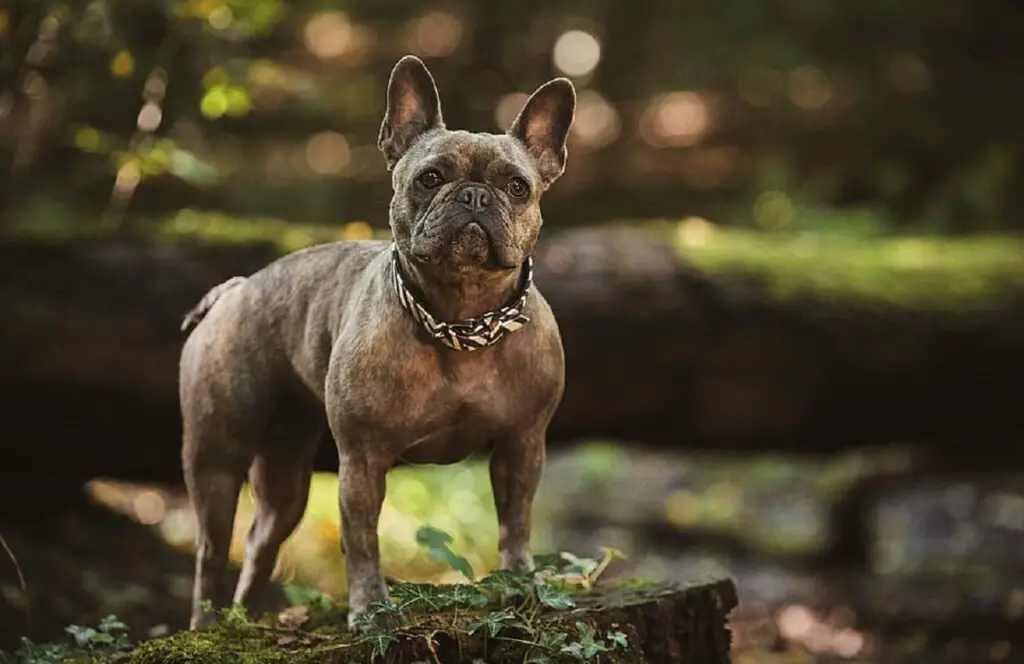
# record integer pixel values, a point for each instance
(618, 623)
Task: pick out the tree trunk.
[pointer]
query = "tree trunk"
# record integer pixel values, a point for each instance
(653, 625)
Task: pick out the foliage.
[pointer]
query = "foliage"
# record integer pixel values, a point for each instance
(503, 607)
(528, 612)
(930, 273)
(787, 111)
(437, 543)
(107, 638)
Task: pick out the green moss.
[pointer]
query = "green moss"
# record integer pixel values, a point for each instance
(220, 645)
(449, 623)
(933, 273)
(927, 272)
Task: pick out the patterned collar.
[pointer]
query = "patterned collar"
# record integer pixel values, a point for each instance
(472, 333)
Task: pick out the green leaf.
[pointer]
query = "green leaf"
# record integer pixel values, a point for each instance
(583, 566)
(592, 649)
(619, 639)
(552, 640)
(507, 584)
(554, 598)
(547, 562)
(494, 622)
(381, 642)
(420, 595)
(587, 632)
(586, 648)
(112, 624)
(103, 638)
(83, 635)
(464, 596)
(575, 649)
(436, 542)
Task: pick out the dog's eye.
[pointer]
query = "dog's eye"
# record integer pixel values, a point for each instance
(517, 187)
(431, 179)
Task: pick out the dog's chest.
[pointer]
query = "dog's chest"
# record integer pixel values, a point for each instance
(462, 409)
(432, 408)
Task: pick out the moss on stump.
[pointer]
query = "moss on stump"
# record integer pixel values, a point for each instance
(617, 623)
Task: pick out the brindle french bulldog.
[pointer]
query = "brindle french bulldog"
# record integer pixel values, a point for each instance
(425, 349)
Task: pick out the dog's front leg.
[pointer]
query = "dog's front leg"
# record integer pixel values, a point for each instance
(516, 467)
(361, 487)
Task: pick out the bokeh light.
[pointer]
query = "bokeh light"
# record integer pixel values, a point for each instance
(676, 119)
(597, 121)
(809, 87)
(327, 153)
(909, 74)
(149, 117)
(774, 210)
(508, 108)
(577, 53)
(436, 34)
(329, 34)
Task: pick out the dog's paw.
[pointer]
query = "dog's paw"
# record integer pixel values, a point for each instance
(517, 560)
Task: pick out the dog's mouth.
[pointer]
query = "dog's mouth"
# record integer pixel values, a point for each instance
(468, 241)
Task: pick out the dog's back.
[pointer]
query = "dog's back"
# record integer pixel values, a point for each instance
(198, 312)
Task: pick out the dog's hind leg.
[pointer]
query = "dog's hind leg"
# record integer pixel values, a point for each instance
(213, 484)
(280, 481)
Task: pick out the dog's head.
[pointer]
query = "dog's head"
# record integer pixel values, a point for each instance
(467, 200)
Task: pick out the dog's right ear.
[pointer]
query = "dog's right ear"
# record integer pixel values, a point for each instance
(414, 108)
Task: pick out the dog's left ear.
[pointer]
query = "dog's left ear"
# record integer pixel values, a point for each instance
(413, 108)
(543, 126)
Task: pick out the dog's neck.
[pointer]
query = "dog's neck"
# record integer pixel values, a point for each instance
(454, 294)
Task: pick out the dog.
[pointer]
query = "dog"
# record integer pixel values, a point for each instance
(424, 349)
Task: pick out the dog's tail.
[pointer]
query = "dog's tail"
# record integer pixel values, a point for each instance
(198, 312)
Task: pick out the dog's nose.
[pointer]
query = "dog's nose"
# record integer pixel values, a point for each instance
(474, 197)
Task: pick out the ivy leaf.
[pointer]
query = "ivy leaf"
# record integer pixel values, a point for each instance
(619, 639)
(547, 562)
(581, 566)
(591, 649)
(83, 635)
(586, 648)
(554, 598)
(381, 642)
(552, 640)
(494, 622)
(103, 638)
(587, 632)
(575, 649)
(437, 545)
(411, 595)
(112, 624)
(509, 585)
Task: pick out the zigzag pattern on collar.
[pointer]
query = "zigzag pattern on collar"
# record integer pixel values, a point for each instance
(472, 333)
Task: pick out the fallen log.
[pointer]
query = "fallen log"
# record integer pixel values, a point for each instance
(657, 354)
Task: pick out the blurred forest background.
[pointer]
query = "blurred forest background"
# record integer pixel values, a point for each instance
(755, 114)
(785, 254)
